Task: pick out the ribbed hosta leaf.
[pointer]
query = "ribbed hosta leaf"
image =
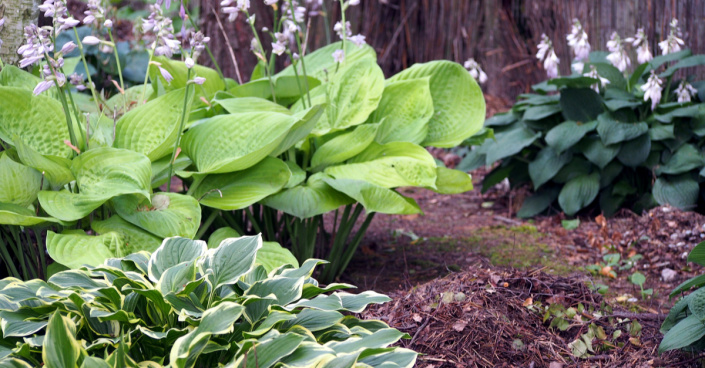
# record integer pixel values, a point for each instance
(686, 158)
(375, 198)
(680, 191)
(233, 258)
(11, 214)
(38, 120)
(321, 65)
(546, 165)
(241, 189)
(172, 252)
(450, 181)
(344, 146)
(57, 170)
(169, 214)
(101, 174)
(135, 238)
(565, 135)
(19, 184)
(391, 165)
(75, 250)
(287, 88)
(309, 199)
(404, 111)
(152, 128)
(240, 105)
(613, 131)
(579, 192)
(306, 120)
(459, 107)
(354, 94)
(228, 143)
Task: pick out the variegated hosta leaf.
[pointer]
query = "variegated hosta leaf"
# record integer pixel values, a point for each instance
(168, 214)
(61, 349)
(308, 199)
(269, 350)
(152, 128)
(375, 198)
(233, 258)
(19, 184)
(233, 191)
(320, 63)
(74, 250)
(404, 111)
(459, 107)
(172, 252)
(135, 238)
(228, 143)
(38, 120)
(101, 174)
(344, 146)
(396, 164)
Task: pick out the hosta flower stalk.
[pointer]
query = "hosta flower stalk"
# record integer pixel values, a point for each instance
(549, 57)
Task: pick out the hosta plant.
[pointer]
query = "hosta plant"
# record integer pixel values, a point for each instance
(684, 327)
(596, 140)
(187, 305)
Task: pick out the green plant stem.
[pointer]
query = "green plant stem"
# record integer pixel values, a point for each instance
(117, 60)
(230, 220)
(91, 86)
(75, 113)
(266, 65)
(208, 50)
(301, 58)
(179, 133)
(146, 74)
(206, 224)
(326, 22)
(65, 106)
(298, 83)
(19, 252)
(255, 225)
(12, 270)
(345, 32)
(41, 248)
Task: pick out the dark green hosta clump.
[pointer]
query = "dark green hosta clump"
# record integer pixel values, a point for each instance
(581, 148)
(684, 327)
(186, 305)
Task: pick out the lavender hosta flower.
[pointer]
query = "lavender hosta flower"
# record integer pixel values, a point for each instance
(52, 76)
(198, 43)
(95, 13)
(2, 23)
(278, 48)
(641, 42)
(578, 41)
(685, 92)
(354, 2)
(165, 42)
(618, 54)
(339, 56)
(548, 55)
(602, 81)
(199, 80)
(166, 75)
(38, 43)
(108, 24)
(43, 86)
(90, 40)
(673, 42)
(270, 2)
(652, 90)
(475, 70)
(339, 29)
(67, 48)
(358, 40)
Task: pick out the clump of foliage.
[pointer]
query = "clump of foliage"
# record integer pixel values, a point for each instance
(186, 305)
(684, 327)
(595, 140)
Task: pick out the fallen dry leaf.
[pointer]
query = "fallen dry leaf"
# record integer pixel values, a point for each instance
(417, 318)
(460, 326)
(607, 272)
(529, 301)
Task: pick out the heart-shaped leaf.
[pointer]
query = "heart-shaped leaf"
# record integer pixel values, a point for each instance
(168, 214)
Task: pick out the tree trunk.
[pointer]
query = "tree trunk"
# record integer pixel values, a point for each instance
(17, 14)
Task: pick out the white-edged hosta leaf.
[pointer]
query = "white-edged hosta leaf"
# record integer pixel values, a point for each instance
(449, 181)
(11, 214)
(286, 289)
(101, 174)
(237, 190)
(380, 339)
(233, 258)
(38, 120)
(13, 362)
(152, 128)
(308, 354)
(20, 323)
(321, 65)
(404, 111)
(269, 351)
(566, 134)
(400, 357)
(168, 214)
(680, 191)
(375, 198)
(61, 350)
(579, 192)
(308, 199)
(172, 252)
(57, 170)
(356, 303)
(76, 250)
(396, 164)
(239, 105)
(458, 104)
(344, 146)
(314, 319)
(228, 143)
(175, 278)
(19, 184)
(135, 238)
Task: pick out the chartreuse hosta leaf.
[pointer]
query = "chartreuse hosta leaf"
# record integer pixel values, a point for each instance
(38, 120)
(19, 184)
(228, 143)
(11, 214)
(168, 214)
(320, 63)
(344, 146)
(61, 350)
(74, 250)
(160, 168)
(449, 181)
(314, 197)
(459, 108)
(287, 88)
(57, 170)
(101, 174)
(241, 189)
(354, 94)
(12, 76)
(178, 71)
(240, 105)
(306, 121)
(134, 238)
(152, 128)
(373, 197)
(391, 165)
(404, 111)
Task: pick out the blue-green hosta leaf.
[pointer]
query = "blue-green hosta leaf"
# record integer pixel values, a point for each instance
(306, 121)
(344, 146)
(680, 191)
(228, 143)
(321, 65)
(597, 153)
(19, 184)
(581, 104)
(538, 202)
(661, 132)
(239, 105)
(61, 350)
(152, 128)
(178, 71)
(175, 278)
(354, 94)
(308, 199)
(579, 192)
(57, 170)
(546, 165)
(612, 131)
(688, 331)
(286, 289)
(101, 174)
(458, 104)
(233, 258)
(686, 158)
(687, 62)
(396, 164)
(404, 111)
(508, 143)
(169, 214)
(135, 238)
(450, 181)
(287, 89)
(635, 152)
(237, 190)
(566, 134)
(76, 250)
(272, 256)
(38, 120)
(375, 198)
(172, 252)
